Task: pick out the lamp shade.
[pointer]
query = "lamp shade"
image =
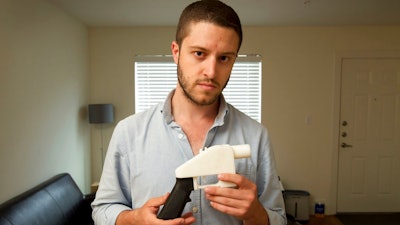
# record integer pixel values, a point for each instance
(101, 113)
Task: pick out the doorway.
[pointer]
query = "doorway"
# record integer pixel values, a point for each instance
(369, 135)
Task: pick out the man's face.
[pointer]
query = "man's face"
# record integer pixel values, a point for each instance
(205, 60)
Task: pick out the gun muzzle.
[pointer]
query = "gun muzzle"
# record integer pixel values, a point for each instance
(241, 151)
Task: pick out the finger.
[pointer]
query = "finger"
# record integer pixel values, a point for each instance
(224, 192)
(226, 201)
(227, 209)
(235, 207)
(177, 221)
(231, 197)
(184, 220)
(237, 179)
(157, 201)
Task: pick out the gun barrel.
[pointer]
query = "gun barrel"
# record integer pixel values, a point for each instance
(241, 151)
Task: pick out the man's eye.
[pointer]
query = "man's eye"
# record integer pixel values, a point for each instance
(224, 58)
(198, 54)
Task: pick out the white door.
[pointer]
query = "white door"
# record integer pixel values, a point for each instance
(369, 148)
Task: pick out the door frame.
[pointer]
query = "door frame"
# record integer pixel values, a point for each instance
(339, 57)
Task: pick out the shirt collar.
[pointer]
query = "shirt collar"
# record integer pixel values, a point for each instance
(169, 118)
(167, 108)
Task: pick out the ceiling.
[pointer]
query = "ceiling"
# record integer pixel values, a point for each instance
(251, 12)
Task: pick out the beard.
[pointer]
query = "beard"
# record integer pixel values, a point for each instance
(191, 96)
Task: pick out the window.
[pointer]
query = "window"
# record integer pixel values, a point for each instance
(155, 77)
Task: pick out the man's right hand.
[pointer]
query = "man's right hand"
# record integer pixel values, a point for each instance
(147, 215)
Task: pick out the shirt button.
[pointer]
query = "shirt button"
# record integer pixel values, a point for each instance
(181, 136)
(195, 209)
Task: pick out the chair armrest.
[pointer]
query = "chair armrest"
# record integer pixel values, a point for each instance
(83, 215)
(89, 197)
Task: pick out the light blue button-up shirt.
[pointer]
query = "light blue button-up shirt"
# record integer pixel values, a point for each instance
(146, 148)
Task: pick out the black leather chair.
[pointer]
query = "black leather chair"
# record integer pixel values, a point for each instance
(57, 201)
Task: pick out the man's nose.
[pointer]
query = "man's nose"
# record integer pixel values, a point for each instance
(210, 67)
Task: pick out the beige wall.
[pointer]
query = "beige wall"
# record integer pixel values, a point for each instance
(44, 89)
(43, 96)
(111, 53)
(299, 84)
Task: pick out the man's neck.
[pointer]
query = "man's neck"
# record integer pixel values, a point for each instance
(185, 109)
(195, 120)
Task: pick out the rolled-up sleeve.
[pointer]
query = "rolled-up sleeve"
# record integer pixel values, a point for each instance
(270, 193)
(113, 195)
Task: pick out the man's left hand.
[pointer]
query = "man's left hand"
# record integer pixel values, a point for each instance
(240, 202)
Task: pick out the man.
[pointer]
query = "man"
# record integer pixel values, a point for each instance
(146, 148)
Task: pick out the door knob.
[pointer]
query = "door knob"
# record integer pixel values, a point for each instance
(344, 145)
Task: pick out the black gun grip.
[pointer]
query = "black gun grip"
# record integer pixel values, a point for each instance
(177, 200)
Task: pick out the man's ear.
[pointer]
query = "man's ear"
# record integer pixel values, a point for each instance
(175, 51)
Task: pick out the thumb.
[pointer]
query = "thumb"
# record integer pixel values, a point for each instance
(157, 201)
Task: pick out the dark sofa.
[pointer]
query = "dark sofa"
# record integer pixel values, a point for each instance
(57, 201)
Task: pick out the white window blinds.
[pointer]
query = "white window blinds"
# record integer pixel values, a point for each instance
(155, 77)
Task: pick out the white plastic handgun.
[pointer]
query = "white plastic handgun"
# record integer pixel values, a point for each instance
(214, 160)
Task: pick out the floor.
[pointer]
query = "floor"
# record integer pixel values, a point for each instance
(326, 220)
(369, 218)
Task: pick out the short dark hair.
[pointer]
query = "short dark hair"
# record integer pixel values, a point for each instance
(212, 11)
